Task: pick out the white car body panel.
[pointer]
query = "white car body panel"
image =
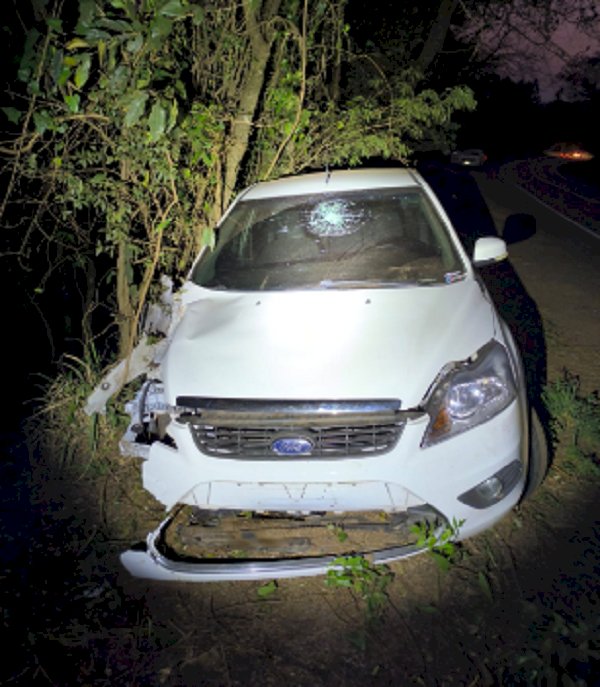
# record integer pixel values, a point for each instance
(332, 182)
(313, 344)
(391, 481)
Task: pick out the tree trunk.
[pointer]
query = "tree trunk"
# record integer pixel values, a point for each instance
(250, 92)
(124, 307)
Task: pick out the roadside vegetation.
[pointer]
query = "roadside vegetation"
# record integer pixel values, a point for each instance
(575, 424)
(127, 145)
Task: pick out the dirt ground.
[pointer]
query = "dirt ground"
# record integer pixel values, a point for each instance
(518, 607)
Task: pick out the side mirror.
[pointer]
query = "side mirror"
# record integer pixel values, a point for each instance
(488, 250)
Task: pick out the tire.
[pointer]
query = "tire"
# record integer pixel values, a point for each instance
(538, 455)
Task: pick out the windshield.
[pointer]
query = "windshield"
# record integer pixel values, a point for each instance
(385, 237)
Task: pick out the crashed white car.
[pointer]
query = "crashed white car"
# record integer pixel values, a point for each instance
(333, 374)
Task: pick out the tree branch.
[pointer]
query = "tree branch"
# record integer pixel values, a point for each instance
(301, 95)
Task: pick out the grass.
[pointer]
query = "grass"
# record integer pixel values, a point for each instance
(575, 423)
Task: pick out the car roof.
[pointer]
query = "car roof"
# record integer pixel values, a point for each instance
(334, 181)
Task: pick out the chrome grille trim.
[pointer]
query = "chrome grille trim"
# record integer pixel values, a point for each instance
(336, 429)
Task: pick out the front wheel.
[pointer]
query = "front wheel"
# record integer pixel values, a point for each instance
(538, 455)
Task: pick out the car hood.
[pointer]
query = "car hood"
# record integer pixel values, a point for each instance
(336, 344)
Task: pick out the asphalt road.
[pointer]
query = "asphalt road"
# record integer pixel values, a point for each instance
(560, 269)
(548, 289)
(548, 180)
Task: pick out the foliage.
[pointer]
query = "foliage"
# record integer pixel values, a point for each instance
(78, 467)
(439, 541)
(576, 422)
(60, 429)
(581, 78)
(135, 124)
(266, 590)
(103, 141)
(561, 651)
(367, 580)
(523, 37)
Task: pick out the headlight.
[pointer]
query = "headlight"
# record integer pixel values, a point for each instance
(469, 392)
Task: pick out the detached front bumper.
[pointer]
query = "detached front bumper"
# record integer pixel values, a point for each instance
(150, 562)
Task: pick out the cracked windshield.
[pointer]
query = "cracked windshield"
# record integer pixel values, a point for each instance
(384, 238)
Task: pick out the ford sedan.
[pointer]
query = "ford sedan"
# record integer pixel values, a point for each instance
(333, 378)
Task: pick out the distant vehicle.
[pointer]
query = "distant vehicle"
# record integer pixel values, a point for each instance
(471, 157)
(572, 152)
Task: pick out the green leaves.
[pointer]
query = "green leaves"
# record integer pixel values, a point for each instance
(43, 121)
(173, 8)
(87, 13)
(29, 57)
(160, 29)
(197, 15)
(367, 580)
(72, 102)
(266, 590)
(12, 114)
(76, 43)
(135, 105)
(157, 122)
(135, 44)
(55, 24)
(82, 72)
(440, 541)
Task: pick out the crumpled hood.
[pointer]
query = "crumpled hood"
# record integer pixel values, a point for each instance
(353, 344)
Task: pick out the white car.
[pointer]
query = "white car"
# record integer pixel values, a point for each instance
(334, 373)
(472, 157)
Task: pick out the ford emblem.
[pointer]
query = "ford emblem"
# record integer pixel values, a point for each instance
(292, 446)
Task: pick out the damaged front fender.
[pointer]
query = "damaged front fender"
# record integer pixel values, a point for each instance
(160, 318)
(144, 358)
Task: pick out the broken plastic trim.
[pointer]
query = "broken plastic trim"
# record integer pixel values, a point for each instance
(148, 562)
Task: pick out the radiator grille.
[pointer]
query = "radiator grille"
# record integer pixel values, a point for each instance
(335, 441)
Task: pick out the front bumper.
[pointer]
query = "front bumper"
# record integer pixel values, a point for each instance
(149, 562)
(407, 477)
